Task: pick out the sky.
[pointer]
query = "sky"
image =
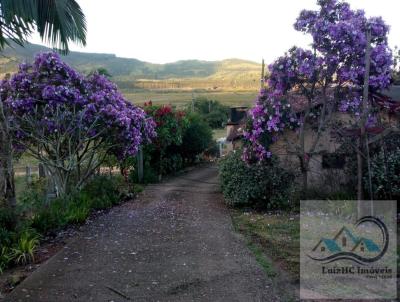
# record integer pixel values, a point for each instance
(161, 31)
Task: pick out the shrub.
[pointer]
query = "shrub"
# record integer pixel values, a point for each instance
(385, 175)
(23, 251)
(263, 184)
(6, 219)
(181, 137)
(172, 163)
(49, 216)
(6, 236)
(213, 112)
(213, 149)
(171, 124)
(78, 209)
(197, 138)
(150, 174)
(104, 191)
(100, 193)
(39, 215)
(385, 168)
(5, 258)
(32, 196)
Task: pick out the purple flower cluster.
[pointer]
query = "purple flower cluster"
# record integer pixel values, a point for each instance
(339, 37)
(270, 116)
(352, 104)
(127, 124)
(337, 59)
(295, 67)
(52, 95)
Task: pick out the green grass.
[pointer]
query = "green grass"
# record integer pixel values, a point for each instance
(218, 133)
(398, 248)
(21, 185)
(261, 259)
(275, 235)
(182, 99)
(26, 160)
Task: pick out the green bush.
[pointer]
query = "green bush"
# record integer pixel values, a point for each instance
(213, 112)
(213, 149)
(5, 258)
(6, 219)
(264, 184)
(197, 138)
(78, 208)
(31, 198)
(171, 124)
(100, 193)
(176, 150)
(49, 215)
(39, 215)
(6, 236)
(172, 163)
(23, 251)
(385, 175)
(104, 191)
(150, 174)
(385, 168)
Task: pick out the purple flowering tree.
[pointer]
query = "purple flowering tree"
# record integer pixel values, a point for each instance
(70, 122)
(306, 87)
(56, 22)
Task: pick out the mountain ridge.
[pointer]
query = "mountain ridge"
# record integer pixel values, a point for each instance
(132, 75)
(133, 68)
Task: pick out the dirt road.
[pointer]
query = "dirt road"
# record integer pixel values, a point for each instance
(175, 243)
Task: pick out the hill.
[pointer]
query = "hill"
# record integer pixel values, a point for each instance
(135, 74)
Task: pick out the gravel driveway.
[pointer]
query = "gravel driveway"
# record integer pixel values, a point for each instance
(174, 243)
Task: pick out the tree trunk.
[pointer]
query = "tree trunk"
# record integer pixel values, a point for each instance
(7, 189)
(304, 173)
(360, 193)
(363, 119)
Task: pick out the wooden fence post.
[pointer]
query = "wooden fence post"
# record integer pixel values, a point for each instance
(140, 164)
(28, 175)
(51, 188)
(42, 173)
(52, 191)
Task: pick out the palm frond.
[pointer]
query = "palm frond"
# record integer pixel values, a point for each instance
(58, 22)
(16, 21)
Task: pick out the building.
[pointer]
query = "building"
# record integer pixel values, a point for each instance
(327, 163)
(235, 127)
(329, 159)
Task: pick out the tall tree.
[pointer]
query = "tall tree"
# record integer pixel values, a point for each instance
(306, 86)
(58, 22)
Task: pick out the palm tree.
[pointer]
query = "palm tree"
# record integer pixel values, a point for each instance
(58, 22)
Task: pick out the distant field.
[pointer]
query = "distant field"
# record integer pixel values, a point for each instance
(180, 99)
(219, 133)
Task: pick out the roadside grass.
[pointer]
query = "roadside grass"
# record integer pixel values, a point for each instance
(40, 218)
(276, 235)
(398, 253)
(258, 253)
